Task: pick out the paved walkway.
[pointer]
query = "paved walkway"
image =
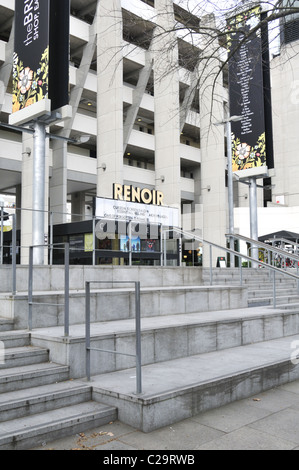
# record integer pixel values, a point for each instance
(268, 421)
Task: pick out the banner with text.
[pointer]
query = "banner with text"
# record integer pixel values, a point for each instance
(41, 46)
(246, 91)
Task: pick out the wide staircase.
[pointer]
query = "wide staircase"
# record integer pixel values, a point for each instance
(203, 346)
(259, 283)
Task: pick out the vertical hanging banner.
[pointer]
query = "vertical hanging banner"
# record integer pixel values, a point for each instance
(246, 92)
(41, 47)
(31, 53)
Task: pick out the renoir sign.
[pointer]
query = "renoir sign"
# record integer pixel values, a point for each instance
(41, 53)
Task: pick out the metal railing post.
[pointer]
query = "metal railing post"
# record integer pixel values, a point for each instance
(274, 289)
(93, 240)
(165, 249)
(87, 329)
(30, 288)
(211, 265)
(138, 339)
(14, 255)
(161, 245)
(2, 233)
(241, 272)
(51, 238)
(67, 290)
(130, 243)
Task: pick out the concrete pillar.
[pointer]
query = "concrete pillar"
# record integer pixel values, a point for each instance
(110, 96)
(78, 207)
(58, 182)
(167, 105)
(213, 191)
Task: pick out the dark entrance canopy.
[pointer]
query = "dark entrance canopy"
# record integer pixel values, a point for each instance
(291, 236)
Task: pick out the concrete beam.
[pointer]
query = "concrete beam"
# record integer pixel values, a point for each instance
(137, 97)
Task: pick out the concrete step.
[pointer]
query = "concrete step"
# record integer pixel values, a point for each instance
(21, 356)
(179, 389)
(6, 324)
(166, 337)
(26, 433)
(20, 403)
(18, 378)
(268, 300)
(119, 303)
(51, 278)
(263, 291)
(15, 339)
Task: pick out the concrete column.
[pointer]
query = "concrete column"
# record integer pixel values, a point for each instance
(78, 207)
(110, 96)
(58, 182)
(213, 191)
(167, 105)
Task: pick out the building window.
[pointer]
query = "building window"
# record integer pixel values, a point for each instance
(291, 31)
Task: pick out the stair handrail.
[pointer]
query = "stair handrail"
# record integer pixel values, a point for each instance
(89, 348)
(66, 304)
(263, 245)
(275, 269)
(192, 236)
(285, 241)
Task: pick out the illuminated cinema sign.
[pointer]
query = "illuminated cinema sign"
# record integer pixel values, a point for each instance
(251, 137)
(41, 53)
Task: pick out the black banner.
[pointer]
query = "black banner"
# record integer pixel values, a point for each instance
(246, 89)
(41, 44)
(59, 56)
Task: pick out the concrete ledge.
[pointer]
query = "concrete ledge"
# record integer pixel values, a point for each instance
(51, 278)
(178, 390)
(164, 338)
(119, 304)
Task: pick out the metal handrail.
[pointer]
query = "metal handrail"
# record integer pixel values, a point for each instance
(191, 236)
(137, 332)
(263, 245)
(275, 269)
(66, 289)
